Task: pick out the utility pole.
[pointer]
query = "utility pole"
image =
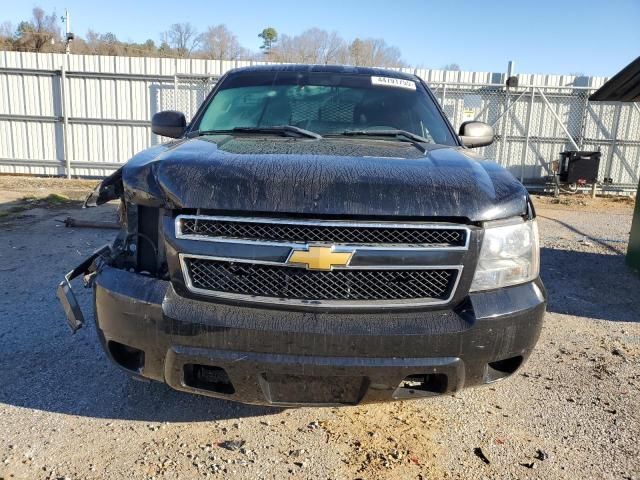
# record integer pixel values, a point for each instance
(68, 38)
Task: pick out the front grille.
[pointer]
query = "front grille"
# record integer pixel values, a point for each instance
(297, 283)
(323, 233)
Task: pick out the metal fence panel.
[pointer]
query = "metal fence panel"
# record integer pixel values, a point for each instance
(97, 114)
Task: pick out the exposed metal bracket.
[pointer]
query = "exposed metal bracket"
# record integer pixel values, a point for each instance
(72, 310)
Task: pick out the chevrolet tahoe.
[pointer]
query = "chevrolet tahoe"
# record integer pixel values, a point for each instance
(316, 235)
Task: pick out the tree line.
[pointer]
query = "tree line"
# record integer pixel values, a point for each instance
(43, 33)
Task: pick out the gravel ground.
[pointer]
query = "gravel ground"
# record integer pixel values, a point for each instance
(573, 411)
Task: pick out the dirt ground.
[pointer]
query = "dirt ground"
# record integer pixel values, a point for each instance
(572, 411)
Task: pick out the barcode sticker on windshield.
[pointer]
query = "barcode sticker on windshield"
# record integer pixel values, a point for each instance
(393, 82)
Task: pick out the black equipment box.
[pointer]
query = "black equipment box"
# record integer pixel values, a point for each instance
(579, 167)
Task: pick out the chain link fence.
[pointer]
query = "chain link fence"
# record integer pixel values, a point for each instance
(190, 92)
(534, 124)
(184, 94)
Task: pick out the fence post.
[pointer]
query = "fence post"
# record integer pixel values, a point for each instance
(585, 115)
(65, 120)
(525, 150)
(504, 123)
(583, 134)
(503, 137)
(175, 93)
(614, 139)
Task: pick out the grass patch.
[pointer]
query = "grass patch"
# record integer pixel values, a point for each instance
(56, 199)
(52, 201)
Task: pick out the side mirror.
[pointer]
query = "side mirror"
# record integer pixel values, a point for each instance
(168, 123)
(476, 134)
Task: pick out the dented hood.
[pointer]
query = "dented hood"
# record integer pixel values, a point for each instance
(332, 176)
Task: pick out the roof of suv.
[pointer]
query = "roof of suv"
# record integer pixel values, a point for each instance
(326, 69)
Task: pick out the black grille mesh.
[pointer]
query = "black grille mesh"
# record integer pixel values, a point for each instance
(297, 283)
(448, 237)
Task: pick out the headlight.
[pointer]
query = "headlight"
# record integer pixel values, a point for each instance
(510, 255)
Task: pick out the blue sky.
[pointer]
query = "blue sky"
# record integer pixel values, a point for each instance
(562, 36)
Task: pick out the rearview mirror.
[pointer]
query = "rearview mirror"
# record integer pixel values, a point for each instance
(168, 123)
(476, 134)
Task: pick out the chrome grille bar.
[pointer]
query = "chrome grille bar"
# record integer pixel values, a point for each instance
(370, 235)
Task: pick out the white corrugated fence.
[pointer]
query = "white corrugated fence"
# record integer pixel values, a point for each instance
(85, 114)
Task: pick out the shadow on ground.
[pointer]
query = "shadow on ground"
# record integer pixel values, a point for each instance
(72, 376)
(43, 366)
(83, 382)
(592, 285)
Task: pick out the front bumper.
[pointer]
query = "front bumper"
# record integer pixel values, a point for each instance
(289, 357)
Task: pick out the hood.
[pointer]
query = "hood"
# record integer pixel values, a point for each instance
(330, 177)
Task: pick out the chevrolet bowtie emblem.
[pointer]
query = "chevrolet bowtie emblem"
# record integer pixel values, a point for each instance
(320, 258)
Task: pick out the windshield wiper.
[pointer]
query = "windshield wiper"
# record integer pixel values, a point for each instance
(280, 129)
(286, 129)
(416, 140)
(200, 133)
(388, 133)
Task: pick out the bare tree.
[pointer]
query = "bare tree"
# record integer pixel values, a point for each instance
(6, 30)
(219, 43)
(333, 48)
(101, 44)
(38, 34)
(375, 52)
(285, 51)
(311, 46)
(454, 67)
(6, 35)
(357, 52)
(182, 37)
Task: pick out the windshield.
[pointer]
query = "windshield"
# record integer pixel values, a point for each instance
(325, 103)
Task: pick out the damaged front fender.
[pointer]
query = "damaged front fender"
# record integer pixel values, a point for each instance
(110, 188)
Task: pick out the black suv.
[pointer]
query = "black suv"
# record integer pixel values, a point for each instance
(316, 235)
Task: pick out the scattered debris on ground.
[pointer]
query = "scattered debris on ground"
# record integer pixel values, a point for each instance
(71, 222)
(480, 454)
(232, 445)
